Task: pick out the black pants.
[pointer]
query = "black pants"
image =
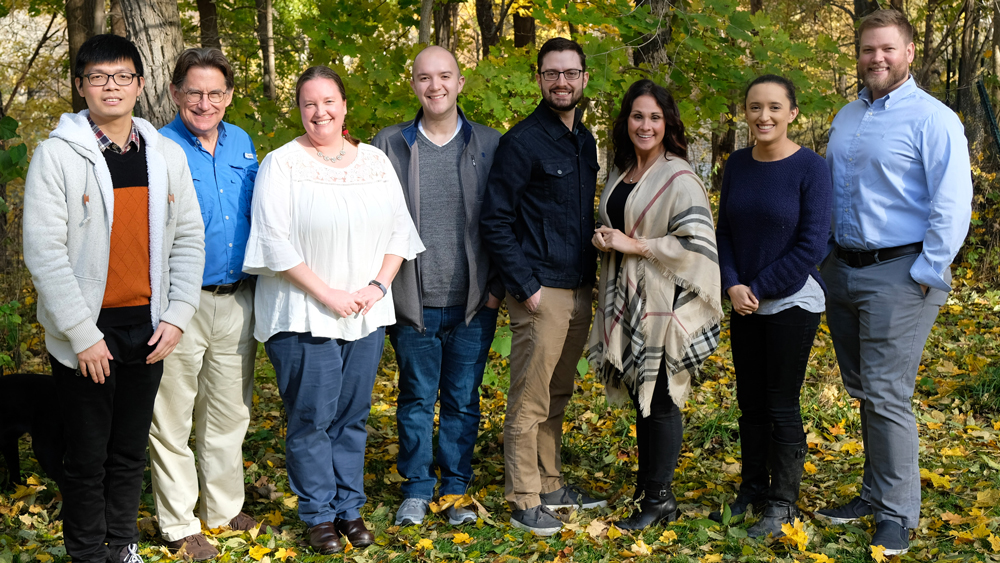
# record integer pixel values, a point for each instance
(770, 353)
(658, 435)
(107, 428)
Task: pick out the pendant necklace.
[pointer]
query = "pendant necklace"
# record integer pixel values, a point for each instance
(340, 155)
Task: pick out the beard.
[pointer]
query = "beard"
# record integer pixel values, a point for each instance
(897, 73)
(559, 105)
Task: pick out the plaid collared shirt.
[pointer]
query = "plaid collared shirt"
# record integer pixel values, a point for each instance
(105, 143)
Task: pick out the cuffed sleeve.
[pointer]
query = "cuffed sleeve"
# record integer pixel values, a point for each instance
(269, 248)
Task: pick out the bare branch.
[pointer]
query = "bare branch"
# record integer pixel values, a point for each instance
(20, 80)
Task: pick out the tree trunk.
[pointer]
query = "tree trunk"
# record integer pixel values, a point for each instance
(116, 23)
(426, 20)
(861, 9)
(487, 25)
(756, 6)
(265, 33)
(968, 63)
(652, 48)
(155, 28)
(84, 19)
(524, 28)
(995, 59)
(208, 23)
(444, 25)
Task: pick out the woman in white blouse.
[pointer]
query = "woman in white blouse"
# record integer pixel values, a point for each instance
(328, 233)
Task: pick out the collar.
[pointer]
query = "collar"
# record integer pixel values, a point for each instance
(551, 122)
(178, 125)
(904, 90)
(410, 129)
(458, 128)
(104, 143)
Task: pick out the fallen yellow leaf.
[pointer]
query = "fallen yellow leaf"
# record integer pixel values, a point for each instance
(461, 538)
(980, 531)
(820, 558)
(934, 425)
(425, 544)
(614, 533)
(809, 467)
(668, 536)
(795, 534)
(257, 552)
(43, 557)
(640, 548)
(275, 518)
(878, 553)
(989, 497)
(994, 542)
(284, 553)
(712, 558)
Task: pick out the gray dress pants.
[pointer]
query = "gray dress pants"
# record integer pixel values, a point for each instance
(879, 319)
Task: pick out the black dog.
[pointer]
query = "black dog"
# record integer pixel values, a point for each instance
(27, 407)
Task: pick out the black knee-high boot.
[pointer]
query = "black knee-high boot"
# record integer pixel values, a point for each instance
(785, 462)
(755, 440)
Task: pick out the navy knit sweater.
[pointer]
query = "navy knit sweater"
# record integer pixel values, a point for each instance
(774, 222)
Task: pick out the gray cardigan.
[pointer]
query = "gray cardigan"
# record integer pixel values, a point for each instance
(399, 142)
(68, 214)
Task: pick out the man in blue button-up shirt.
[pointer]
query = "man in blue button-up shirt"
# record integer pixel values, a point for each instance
(902, 204)
(211, 371)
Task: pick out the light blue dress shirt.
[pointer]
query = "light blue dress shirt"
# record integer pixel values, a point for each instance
(224, 184)
(901, 175)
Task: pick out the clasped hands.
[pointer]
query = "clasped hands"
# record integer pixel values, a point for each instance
(744, 301)
(345, 304)
(606, 238)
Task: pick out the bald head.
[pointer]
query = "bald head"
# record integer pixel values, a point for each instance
(437, 82)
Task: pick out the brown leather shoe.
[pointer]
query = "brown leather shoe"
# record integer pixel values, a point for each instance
(244, 522)
(324, 539)
(194, 548)
(355, 531)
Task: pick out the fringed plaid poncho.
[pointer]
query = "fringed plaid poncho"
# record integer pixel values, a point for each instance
(664, 305)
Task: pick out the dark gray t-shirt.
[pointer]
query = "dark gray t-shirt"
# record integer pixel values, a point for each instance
(444, 267)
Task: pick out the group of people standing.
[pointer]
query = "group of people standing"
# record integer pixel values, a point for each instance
(332, 244)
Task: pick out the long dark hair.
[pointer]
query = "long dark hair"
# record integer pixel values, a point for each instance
(314, 72)
(785, 83)
(674, 140)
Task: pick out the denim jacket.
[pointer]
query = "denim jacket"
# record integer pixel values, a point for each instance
(537, 218)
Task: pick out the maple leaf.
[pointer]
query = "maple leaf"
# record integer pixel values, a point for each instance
(668, 536)
(597, 528)
(990, 497)
(953, 519)
(258, 552)
(712, 558)
(614, 533)
(43, 557)
(275, 518)
(284, 553)
(837, 428)
(640, 548)
(994, 542)
(425, 544)
(795, 534)
(878, 553)
(820, 558)
(461, 538)
(809, 467)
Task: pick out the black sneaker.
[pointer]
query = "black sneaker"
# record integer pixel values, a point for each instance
(538, 519)
(891, 536)
(846, 513)
(127, 554)
(569, 496)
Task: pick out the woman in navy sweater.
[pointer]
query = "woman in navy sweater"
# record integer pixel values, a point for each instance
(774, 222)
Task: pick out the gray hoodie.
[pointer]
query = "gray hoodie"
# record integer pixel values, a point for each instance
(68, 214)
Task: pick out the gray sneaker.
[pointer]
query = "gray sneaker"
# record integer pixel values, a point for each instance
(569, 496)
(846, 513)
(412, 511)
(129, 554)
(538, 519)
(459, 515)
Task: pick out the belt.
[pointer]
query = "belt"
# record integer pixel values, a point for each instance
(224, 289)
(862, 258)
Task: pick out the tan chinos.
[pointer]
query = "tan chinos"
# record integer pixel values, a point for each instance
(209, 375)
(546, 347)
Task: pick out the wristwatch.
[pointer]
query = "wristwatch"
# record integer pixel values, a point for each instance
(379, 285)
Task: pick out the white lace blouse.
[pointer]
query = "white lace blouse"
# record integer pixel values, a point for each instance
(341, 222)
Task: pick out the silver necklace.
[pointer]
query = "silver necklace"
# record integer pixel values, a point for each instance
(339, 156)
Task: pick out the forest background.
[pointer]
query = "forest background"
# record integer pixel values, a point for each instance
(705, 51)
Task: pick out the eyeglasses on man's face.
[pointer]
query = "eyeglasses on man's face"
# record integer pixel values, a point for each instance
(195, 96)
(100, 79)
(553, 75)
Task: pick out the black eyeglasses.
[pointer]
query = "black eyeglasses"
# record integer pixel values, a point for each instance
(553, 75)
(100, 79)
(195, 96)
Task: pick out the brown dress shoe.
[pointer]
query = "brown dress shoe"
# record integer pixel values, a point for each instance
(244, 522)
(194, 547)
(324, 539)
(355, 531)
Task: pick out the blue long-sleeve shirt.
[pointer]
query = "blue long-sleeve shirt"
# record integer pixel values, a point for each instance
(901, 175)
(224, 184)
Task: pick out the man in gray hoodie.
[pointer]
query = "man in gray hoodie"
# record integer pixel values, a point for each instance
(113, 302)
(447, 299)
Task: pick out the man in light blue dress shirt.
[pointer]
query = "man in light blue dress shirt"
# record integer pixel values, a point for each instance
(902, 205)
(210, 374)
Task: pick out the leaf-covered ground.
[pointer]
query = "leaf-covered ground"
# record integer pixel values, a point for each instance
(958, 413)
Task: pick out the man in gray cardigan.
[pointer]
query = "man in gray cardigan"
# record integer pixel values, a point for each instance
(446, 299)
(113, 302)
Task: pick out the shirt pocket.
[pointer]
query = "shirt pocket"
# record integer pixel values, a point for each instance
(558, 177)
(243, 181)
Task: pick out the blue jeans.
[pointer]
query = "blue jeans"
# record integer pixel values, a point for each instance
(449, 357)
(326, 386)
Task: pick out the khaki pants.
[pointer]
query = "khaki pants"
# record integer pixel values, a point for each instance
(209, 374)
(545, 349)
